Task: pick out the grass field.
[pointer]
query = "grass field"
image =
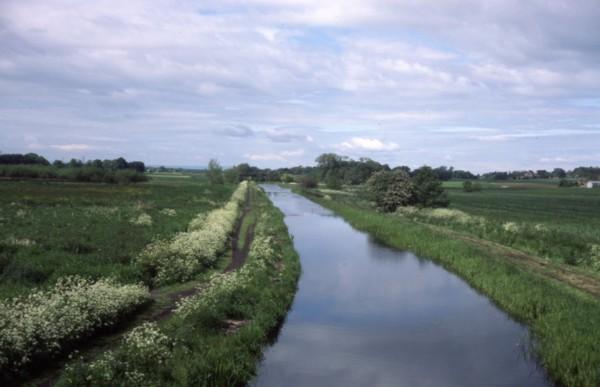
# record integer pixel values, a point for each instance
(52, 229)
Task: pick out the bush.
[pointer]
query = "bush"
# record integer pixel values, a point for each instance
(469, 186)
(390, 189)
(287, 178)
(41, 323)
(308, 182)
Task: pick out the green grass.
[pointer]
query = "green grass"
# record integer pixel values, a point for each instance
(52, 229)
(565, 322)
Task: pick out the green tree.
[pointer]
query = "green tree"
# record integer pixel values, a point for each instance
(232, 175)
(428, 189)
(215, 172)
(390, 189)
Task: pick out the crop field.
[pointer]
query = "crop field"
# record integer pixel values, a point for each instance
(53, 229)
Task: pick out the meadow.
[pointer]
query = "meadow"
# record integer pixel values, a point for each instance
(53, 229)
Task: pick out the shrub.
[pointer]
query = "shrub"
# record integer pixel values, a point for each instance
(390, 189)
(308, 182)
(41, 323)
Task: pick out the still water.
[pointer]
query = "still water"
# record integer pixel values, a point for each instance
(367, 315)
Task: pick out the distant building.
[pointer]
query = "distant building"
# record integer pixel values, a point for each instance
(593, 184)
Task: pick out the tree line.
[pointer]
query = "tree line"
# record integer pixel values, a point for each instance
(34, 166)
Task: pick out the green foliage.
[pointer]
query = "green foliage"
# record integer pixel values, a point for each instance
(231, 176)
(215, 172)
(428, 190)
(88, 174)
(287, 178)
(567, 183)
(308, 182)
(391, 189)
(333, 181)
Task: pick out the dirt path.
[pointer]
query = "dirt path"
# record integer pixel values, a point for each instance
(163, 303)
(569, 275)
(239, 254)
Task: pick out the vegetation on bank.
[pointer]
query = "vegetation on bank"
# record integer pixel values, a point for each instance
(215, 337)
(183, 256)
(565, 322)
(40, 324)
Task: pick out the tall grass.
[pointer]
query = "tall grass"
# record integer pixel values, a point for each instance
(565, 322)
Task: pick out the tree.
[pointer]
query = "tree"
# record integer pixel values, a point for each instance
(559, 173)
(332, 180)
(232, 175)
(390, 189)
(428, 189)
(215, 172)
(137, 165)
(308, 182)
(287, 178)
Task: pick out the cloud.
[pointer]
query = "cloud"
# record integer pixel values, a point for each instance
(279, 156)
(236, 131)
(368, 144)
(168, 79)
(71, 147)
(286, 135)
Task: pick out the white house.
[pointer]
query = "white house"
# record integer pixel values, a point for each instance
(593, 184)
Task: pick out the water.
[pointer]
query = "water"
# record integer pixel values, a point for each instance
(367, 315)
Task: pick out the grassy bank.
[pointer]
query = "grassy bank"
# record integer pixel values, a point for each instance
(565, 322)
(215, 337)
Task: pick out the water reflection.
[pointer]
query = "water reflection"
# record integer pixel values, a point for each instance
(366, 315)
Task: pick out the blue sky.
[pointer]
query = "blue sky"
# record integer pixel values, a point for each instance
(479, 85)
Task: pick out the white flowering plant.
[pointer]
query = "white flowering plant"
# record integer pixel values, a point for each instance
(42, 322)
(188, 252)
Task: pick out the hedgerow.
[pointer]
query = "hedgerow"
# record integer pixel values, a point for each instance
(41, 323)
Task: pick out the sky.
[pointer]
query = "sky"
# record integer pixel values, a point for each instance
(479, 85)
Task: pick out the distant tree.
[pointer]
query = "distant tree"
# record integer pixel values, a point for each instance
(559, 173)
(120, 163)
(74, 163)
(232, 175)
(58, 164)
(308, 181)
(137, 165)
(444, 173)
(428, 190)
(287, 178)
(332, 180)
(390, 189)
(543, 174)
(215, 172)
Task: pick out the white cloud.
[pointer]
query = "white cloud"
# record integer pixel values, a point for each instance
(278, 156)
(368, 144)
(71, 147)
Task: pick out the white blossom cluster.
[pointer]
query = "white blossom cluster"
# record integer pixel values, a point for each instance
(41, 322)
(260, 257)
(145, 347)
(182, 257)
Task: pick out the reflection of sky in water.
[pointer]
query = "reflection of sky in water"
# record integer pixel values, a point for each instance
(366, 315)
